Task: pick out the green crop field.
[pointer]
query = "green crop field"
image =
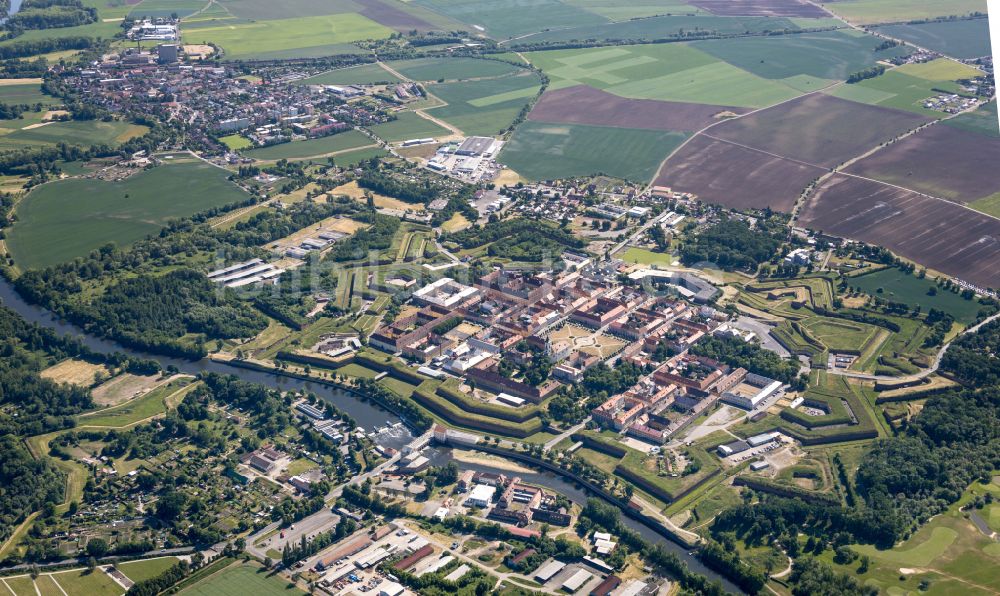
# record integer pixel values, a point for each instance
(266, 9)
(287, 38)
(968, 38)
(165, 8)
(822, 57)
(408, 126)
(138, 571)
(898, 286)
(433, 69)
(350, 139)
(484, 107)
(896, 11)
(508, 18)
(69, 218)
(669, 72)
(241, 580)
(659, 27)
(623, 11)
(984, 120)
(74, 132)
(365, 74)
(29, 93)
(541, 151)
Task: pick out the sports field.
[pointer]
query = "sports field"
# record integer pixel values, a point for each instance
(433, 69)
(241, 580)
(899, 286)
(646, 257)
(672, 72)
(408, 125)
(540, 151)
(806, 62)
(75, 132)
(236, 142)
(365, 74)
(964, 39)
(350, 139)
(897, 11)
(260, 10)
(291, 37)
(484, 107)
(69, 218)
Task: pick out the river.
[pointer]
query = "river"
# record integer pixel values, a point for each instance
(441, 455)
(367, 414)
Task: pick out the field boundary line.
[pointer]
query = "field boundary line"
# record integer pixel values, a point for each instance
(454, 130)
(663, 163)
(52, 577)
(10, 589)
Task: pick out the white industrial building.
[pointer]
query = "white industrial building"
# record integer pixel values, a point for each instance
(576, 581)
(445, 292)
(480, 496)
(548, 571)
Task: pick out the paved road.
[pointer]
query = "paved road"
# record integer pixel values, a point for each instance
(763, 331)
(323, 519)
(549, 445)
(922, 374)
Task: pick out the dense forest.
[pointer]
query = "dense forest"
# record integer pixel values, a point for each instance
(732, 244)
(973, 358)
(51, 14)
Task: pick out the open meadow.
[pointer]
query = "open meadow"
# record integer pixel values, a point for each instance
(69, 218)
